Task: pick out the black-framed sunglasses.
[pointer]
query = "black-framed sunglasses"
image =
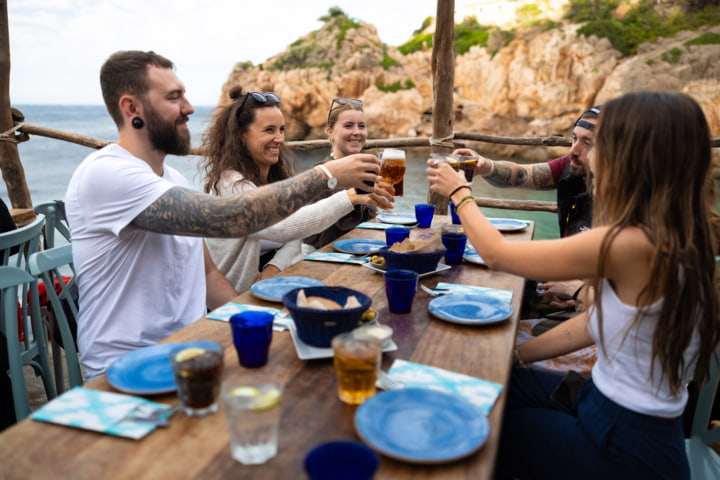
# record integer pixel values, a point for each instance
(261, 98)
(342, 101)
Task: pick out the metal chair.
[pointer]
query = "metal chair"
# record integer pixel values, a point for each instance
(34, 353)
(55, 221)
(46, 266)
(704, 461)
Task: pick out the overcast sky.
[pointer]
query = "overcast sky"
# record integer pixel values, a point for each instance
(58, 46)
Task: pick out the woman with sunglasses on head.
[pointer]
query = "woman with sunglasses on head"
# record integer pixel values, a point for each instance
(347, 132)
(650, 258)
(244, 149)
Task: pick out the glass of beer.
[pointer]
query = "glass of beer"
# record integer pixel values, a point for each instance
(464, 163)
(356, 363)
(392, 168)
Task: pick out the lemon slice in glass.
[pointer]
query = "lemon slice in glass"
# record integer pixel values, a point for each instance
(267, 400)
(188, 353)
(245, 391)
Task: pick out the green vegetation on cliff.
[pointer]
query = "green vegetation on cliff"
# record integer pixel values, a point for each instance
(626, 23)
(642, 21)
(468, 34)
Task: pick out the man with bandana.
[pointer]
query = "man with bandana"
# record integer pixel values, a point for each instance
(567, 175)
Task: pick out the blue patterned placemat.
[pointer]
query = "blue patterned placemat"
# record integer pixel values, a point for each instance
(336, 257)
(224, 312)
(376, 225)
(498, 293)
(98, 411)
(479, 392)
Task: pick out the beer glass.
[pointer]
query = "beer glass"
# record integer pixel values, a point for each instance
(392, 168)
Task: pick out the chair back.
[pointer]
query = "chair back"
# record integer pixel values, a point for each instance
(704, 462)
(14, 283)
(55, 221)
(15, 248)
(25, 241)
(47, 266)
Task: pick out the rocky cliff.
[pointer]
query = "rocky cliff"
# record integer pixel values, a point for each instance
(535, 86)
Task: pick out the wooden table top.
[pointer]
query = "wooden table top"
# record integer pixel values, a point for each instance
(312, 412)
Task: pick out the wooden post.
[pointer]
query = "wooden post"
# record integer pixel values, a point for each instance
(12, 170)
(443, 70)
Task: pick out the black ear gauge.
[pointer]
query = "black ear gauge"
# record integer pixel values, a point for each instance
(137, 123)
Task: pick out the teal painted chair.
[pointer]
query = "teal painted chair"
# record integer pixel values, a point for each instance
(25, 336)
(704, 462)
(53, 267)
(14, 283)
(55, 222)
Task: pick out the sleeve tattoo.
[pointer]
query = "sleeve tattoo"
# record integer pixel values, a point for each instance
(536, 176)
(181, 211)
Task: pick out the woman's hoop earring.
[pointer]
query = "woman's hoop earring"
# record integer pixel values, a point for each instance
(137, 123)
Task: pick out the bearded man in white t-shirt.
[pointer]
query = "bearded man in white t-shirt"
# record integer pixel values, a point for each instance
(143, 270)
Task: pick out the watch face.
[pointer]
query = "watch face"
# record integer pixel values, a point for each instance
(332, 183)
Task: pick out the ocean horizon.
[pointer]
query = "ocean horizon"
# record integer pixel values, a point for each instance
(49, 163)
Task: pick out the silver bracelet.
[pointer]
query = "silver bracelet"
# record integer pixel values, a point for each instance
(517, 361)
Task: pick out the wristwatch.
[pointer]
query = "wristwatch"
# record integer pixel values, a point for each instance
(332, 181)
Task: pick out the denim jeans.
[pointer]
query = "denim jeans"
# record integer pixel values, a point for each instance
(604, 441)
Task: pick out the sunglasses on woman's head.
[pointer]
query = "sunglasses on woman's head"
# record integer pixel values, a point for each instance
(261, 98)
(342, 101)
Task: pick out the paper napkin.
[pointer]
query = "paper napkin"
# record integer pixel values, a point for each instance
(336, 257)
(98, 411)
(479, 392)
(376, 225)
(498, 293)
(224, 312)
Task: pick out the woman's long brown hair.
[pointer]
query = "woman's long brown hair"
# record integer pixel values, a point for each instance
(223, 148)
(653, 170)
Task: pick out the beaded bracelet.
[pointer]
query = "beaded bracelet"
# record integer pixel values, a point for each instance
(458, 189)
(463, 200)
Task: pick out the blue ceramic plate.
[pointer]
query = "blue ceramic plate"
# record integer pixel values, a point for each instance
(470, 309)
(398, 218)
(273, 289)
(471, 255)
(358, 245)
(509, 224)
(420, 425)
(147, 371)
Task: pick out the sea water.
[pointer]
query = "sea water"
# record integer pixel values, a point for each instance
(49, 163)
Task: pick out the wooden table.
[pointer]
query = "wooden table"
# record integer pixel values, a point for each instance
(312, 413)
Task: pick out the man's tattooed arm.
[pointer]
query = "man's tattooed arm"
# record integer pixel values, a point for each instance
(180, 211)
(536, 176)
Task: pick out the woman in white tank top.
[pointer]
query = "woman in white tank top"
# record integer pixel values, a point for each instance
(650, 261)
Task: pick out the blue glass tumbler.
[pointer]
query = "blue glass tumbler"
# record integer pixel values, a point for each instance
(252, 333)
(395, 235)
(424, 214)
(400, 287)
(455, 243)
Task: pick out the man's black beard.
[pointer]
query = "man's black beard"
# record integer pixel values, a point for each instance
(166, 136)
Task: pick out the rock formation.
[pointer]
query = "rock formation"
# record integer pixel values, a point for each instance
(535, 86)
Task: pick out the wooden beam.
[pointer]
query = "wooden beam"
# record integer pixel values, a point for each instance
(12, 169)
(443, 71)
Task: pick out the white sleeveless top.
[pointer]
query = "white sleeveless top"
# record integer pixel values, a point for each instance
(622, 371)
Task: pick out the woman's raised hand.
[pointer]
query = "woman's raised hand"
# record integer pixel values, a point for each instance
(355, 170)
(381, 197)
(443, 179)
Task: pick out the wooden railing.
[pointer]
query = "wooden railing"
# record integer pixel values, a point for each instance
(457, 141)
